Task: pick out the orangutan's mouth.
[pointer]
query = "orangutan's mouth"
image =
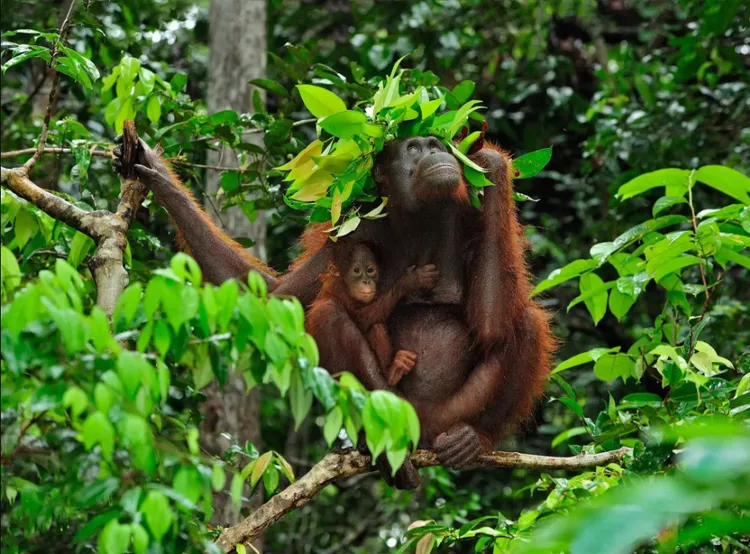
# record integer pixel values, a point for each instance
(439, 168)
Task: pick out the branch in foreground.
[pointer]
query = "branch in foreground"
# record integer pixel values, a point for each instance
(106, 228)
(349, 462)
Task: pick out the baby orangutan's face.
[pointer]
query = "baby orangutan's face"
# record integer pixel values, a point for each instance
(361, 277)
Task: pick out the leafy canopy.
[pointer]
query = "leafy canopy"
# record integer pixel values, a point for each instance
(332, 175)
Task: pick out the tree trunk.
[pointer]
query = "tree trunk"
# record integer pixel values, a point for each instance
(237, 54)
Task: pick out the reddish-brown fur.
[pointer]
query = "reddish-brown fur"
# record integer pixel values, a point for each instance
(335, 302)
(214, 229)
(484, 347)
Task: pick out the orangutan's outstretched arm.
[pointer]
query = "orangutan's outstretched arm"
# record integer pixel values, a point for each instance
(219, 257)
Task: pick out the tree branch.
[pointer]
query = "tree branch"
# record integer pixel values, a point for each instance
(349, 462)
(108, 154)
(52, 150)
(58, 208)
(64, 28)
(106, 228)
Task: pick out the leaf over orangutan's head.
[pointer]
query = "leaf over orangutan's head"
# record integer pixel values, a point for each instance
(349, 139)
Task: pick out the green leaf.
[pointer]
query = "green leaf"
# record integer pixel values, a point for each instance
(259, 468)
(349, 226)
(140, 538)
(570, 271)
(83, 62)
(11, 271)
(187, 481)
(466, 143)
(230, 180)
(476, 178)
(672, 179)
(114, 538)
(592, 292)
(584, 358)
(300, 399)
(572, 404)
(321, 102)
(733, 256)
(76, 400)
(79, 248)
(463, 91)
(429, 108)
(224, 117)
(218, 477)
(323, 386)
(612, 366)
(567, 435)
(178, 82)
(620, 303)
(132, 368)
(129, 68)
(674, 265)
(235, 490)
(466, 161)
(532, 163)
(332, 427)
(157, 513)
(97, 429)
(461, 115)
(273, 86)
(727, 180)
(271, 480)
(153, 109)
(639, 399)
(25, 227)
(666, 202)
(27, 52)
(344, 124)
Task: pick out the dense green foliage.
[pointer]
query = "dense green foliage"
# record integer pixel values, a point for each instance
(644, 206)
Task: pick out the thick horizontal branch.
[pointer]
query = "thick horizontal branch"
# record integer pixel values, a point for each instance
(58, 208)
(106, 228)
(340, 464)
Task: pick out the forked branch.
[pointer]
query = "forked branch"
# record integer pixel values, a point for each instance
(107, 229)
(340, 464)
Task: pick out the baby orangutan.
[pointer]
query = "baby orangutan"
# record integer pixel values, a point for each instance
(350, 298)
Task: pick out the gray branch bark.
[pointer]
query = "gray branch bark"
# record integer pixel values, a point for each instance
(340, 464)
(107, 229)
(237, 49)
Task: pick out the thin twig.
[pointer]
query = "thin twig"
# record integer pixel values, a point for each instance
(54, 253)
(19, 447)
(349, 462)
(258, 131)
(14, 114)
(31, 162)
(51, 150)
(698, 247)
(108, 154)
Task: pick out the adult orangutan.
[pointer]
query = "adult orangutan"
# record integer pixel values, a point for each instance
(483, 347)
